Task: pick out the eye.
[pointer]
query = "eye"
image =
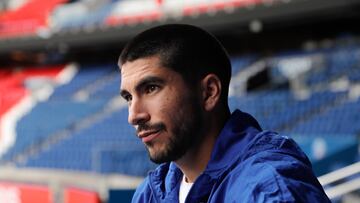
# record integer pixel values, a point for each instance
(127, 97)
(151, 88)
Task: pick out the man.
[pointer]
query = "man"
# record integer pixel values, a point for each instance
(175, 79)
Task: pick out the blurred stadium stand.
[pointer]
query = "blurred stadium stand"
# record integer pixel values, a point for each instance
(296, 68)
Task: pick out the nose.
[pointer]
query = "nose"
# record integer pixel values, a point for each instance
(138, 113)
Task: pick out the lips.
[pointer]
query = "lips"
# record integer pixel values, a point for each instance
(148, 136)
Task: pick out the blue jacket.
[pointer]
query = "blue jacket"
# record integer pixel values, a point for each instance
(247, 165)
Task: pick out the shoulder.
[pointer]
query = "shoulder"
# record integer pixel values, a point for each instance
(270, 142)
(143, 192)
(273, 170)
(152, 184)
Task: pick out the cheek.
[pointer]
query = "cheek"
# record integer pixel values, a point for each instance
(170, 106)
(179, 109)
(161, 108)
(167, 106)
(171, 109)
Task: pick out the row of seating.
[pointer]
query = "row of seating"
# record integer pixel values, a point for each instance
(60, 112)
(10, 90)
(317, 66)
(39, 17)
(341, 119)
(103, 138)
(279, 110)
(110, 146)
(12, 83)
(88, 75)
(337, 63)
(101, 148)
(27, 19)
(107, 145)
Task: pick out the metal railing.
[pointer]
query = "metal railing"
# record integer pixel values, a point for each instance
(344, 187)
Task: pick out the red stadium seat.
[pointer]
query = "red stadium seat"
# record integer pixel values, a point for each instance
(27, 19)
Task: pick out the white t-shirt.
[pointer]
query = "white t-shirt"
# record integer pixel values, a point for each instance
(184, 189)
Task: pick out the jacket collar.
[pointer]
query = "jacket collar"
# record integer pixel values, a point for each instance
(233, 139)
(235, 135)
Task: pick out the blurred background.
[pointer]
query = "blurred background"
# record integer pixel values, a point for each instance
(64, 136)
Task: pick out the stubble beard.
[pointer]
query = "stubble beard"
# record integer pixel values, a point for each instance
(185, 135)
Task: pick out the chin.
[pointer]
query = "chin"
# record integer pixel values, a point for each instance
(158, 157)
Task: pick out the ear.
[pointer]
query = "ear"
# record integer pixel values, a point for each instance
(211, 91)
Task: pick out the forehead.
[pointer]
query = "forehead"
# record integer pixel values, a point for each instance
(134, 71)
(140, 65)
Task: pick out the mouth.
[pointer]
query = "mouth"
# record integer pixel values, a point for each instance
(148, 136)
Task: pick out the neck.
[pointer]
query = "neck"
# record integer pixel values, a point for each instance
(194, 162)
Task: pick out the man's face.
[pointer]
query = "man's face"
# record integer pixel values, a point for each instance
(163, 109)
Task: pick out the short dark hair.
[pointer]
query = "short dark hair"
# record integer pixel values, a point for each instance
(188, 50)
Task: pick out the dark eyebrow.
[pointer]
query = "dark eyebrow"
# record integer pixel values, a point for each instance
(145, 81)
